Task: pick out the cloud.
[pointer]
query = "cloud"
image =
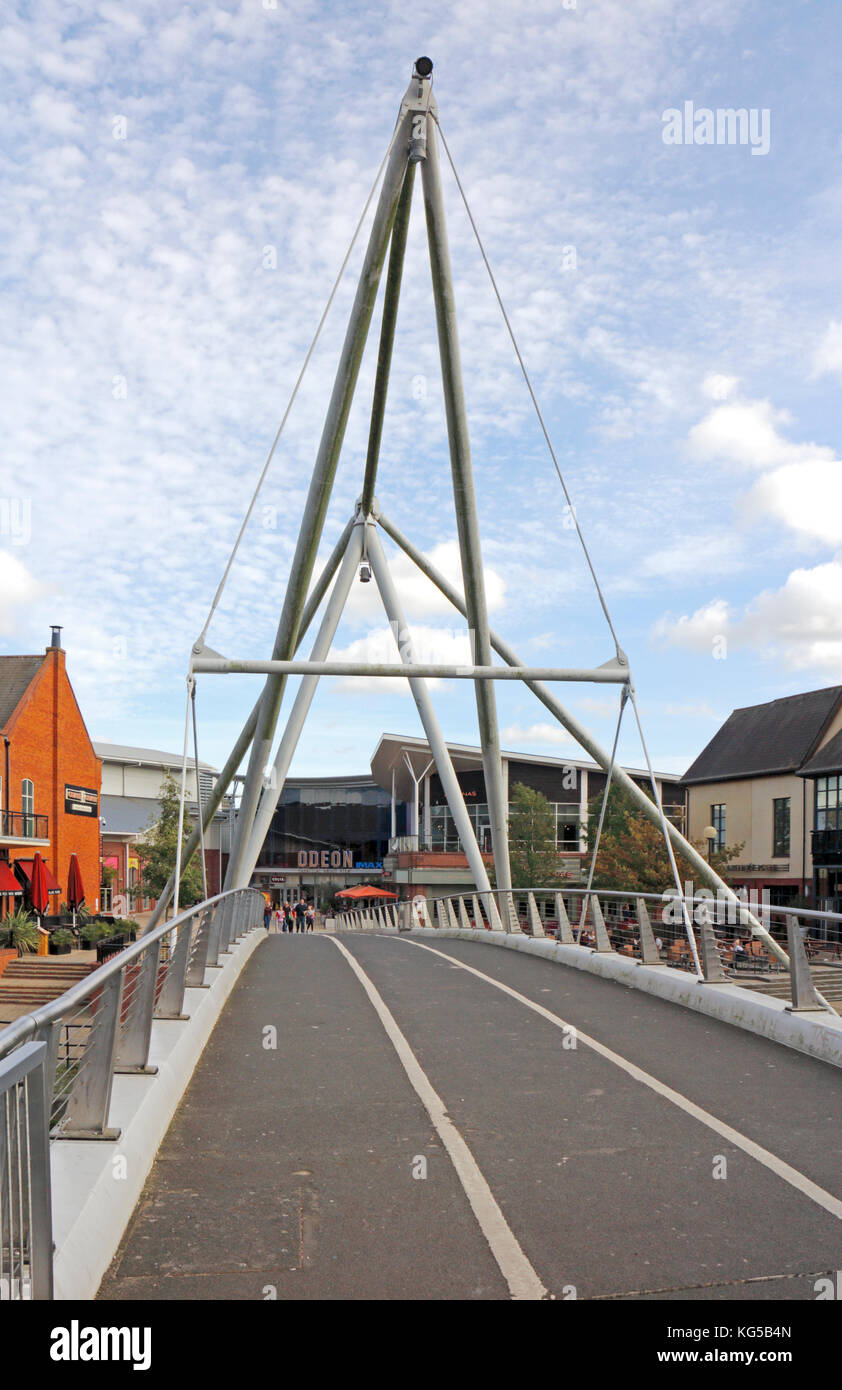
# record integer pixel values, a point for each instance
(429, 644)
(719, 388)
(805, 496)
(800, 623)
(18, 591)
(538, 735)
(746, 433)
(827, 359)
(698, 631)
(419, 596)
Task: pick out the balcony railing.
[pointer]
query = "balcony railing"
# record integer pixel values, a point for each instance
(23, 825)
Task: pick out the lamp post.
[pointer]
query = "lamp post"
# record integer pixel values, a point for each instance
(709, 833)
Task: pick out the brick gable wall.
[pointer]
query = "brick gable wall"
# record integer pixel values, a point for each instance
(50, 745)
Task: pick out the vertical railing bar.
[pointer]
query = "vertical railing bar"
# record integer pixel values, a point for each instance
(6, 1195)
(41, 1230)
(16, 1091)
(26, 1107)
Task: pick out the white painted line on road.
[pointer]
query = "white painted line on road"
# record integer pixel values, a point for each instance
(515, 1268)
(740, 1141)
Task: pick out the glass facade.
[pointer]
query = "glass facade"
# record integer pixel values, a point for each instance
(354, 815)
(445, 839)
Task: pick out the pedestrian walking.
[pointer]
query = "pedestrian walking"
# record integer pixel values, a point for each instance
(310, 916)
(300, 914)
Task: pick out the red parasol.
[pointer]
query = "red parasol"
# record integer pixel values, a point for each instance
(38, 891)
(75, 887)
(363, 891)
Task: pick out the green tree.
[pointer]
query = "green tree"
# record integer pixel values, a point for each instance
(157, 852)
(532, 849)
(632, 852)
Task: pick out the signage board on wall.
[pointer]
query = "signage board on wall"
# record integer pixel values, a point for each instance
(81, 801)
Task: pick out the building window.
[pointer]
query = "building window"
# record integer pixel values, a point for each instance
(780, 836)
(827, 803)
(27, 806)
(717, 820)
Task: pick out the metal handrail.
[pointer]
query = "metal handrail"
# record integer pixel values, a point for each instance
(113, 1009)
(25, 1027)
(668, 896)
(440, 910)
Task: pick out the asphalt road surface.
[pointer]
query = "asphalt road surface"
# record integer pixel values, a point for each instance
(370, 1119)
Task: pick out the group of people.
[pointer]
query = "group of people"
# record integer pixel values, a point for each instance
(297, 916)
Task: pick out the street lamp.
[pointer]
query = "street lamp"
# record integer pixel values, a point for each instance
(709, 833)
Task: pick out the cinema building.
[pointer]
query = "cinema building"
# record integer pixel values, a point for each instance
(393, 826)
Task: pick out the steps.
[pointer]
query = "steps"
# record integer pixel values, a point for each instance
(826, 978)
(39, 980)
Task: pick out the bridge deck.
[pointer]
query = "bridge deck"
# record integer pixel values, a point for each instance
(291, 1169)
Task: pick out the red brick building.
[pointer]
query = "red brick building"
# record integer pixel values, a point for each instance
(50, 777)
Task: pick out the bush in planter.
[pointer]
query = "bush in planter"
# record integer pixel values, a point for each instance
(94, 931)
(24, 931)
(61, 942)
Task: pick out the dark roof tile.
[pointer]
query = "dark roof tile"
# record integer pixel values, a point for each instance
(16, 675)
(828, 758)
(775, 737)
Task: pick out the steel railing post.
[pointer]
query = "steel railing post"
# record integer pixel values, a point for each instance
(89, 1096)
(39, 1093)
(649, 953)
(50, 1033)
(136, 1035)
(710, 962)
(805, 996)
(25, 1205)
(171, 998)
(214, 935)
(564, 931)
(225, 926)
(603, 940)
(199, 954)
(534, 915)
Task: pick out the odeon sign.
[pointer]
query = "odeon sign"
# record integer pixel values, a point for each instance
(333, 859)
(325, 859)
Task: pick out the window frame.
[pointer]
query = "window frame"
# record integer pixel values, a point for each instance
(779, 839)
(718, 819)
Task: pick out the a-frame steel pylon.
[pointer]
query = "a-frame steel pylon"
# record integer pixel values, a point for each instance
(414, 142)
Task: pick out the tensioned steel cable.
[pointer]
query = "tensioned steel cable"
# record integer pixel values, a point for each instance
(529, 387)
(688, 926)
(624, 693)
(223, 581)
(582, 541)
(199, 792)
